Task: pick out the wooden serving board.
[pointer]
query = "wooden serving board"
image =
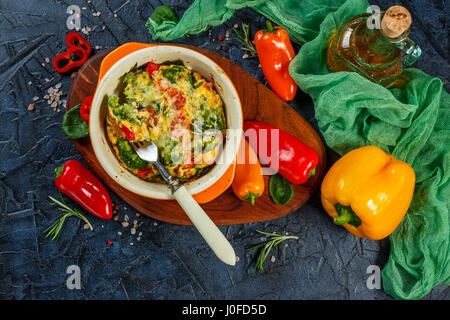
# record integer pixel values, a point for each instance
(258, 103)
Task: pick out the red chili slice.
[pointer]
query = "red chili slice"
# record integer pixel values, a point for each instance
(85, 109)
(152, 67)
(128, 133)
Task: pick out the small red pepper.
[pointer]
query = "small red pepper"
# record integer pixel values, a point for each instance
(74, 180)
(152, 67)
(74, 39)
(128, 133)
(85, 108)
(275, 53)
(297, 161)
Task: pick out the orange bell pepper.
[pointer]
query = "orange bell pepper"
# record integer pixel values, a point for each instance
(248, 182)
(368, 192)
(275, 52)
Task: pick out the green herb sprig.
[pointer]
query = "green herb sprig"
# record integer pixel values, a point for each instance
(245, 38)
(54, 231)
(266, 247)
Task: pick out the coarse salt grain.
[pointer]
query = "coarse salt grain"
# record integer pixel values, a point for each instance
(133, 231)
(35, 98)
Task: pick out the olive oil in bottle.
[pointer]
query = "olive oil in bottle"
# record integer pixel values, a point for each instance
(375, 53)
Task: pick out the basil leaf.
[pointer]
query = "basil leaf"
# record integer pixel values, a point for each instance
(73, 125)
(164, 13)
(280, 189)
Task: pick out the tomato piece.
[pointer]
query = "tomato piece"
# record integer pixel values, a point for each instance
(178, 98)
(128, 133)
(152, 68)
(85, 109)
(152, 114)
(188, 166)
(179, 120)
(208, 86)
(144, 172)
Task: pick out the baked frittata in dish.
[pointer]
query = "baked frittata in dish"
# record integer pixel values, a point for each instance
(174, 107)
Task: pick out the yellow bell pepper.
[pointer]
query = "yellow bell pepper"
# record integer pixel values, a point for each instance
(368, 192)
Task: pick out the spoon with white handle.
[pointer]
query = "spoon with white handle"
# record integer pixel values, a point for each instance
(209, 231)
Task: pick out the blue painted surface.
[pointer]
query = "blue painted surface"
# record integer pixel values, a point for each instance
(169, 261)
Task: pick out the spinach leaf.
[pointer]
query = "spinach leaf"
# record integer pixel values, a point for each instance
(164, 13)
(280, 189)
(73, 125)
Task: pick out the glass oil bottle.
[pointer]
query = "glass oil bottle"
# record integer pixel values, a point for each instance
(375, 51)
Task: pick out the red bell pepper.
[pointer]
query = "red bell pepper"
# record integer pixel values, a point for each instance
(128, 133)
(296, 161)
(74, 180)
(85, 108)
(152, 67)
(144, 172)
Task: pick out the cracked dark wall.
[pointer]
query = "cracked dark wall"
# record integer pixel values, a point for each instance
(169, 261)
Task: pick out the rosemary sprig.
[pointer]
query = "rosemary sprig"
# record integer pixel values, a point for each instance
(245, 38)
(54, 231)
(274, 240)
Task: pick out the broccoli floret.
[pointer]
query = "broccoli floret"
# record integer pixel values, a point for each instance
(129, 156)
(127, 112)
(113, 101)
(129, 78)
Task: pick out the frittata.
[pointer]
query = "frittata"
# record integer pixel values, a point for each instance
(174, 107)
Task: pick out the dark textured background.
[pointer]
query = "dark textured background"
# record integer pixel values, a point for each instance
(169, 261)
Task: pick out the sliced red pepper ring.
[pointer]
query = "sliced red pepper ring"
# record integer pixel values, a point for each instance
(85, 109)
(74, 39)
(74, 57)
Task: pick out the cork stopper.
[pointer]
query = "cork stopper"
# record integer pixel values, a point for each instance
(396, 20)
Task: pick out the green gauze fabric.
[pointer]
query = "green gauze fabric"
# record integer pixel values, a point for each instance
(412, 123)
